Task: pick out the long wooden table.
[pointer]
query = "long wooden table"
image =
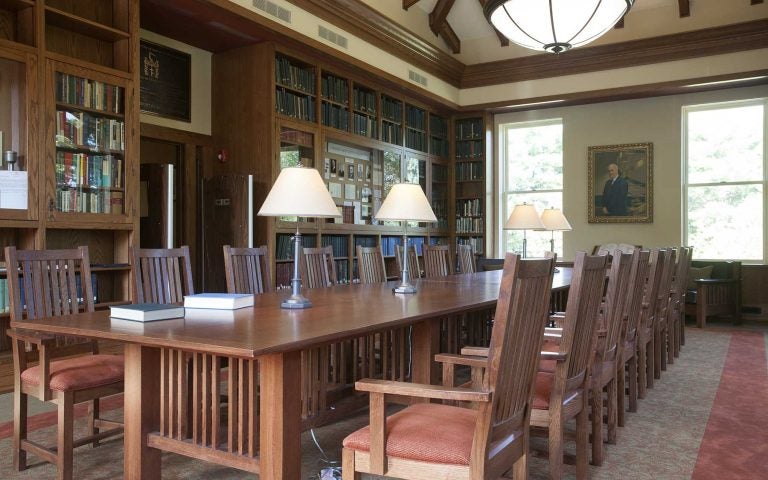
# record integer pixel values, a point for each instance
(273, 337)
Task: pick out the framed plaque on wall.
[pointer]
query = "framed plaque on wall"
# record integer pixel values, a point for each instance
(165, 77)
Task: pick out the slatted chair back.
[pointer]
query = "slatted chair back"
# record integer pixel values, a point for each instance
(437, 261)
(680, 278)
(53, 282)
(466, 256)
(414, 267)
(161, 275)
(633, 307)
(663, 299)
(584, 297)
(370, 265)
(655, 273)
(616, 296)
(318, 267)
(513, 354)
(247, 270)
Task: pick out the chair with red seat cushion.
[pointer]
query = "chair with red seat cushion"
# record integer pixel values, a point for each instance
(428, 440)
(55, 283)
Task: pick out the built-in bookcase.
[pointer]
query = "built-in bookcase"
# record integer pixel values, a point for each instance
(334, 104)
(415, 128)
(391, 120)
(295, 86)
(470, 182)
(364, 112)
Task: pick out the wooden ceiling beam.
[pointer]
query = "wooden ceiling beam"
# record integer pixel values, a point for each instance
(438, 16)
(620, 23)
(503, 40)
(409, 3)
(450, 37)
(684, 6)
(756, 2)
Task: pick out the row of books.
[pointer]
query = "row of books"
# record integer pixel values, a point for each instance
(469, 207)
(469, 225)
(84, 170)
(296, 136)
(82, 130)
(363, 125)
(284, 246)
(88, 93)
(415, 140)
(440, 208)
(477, 243)
(294, 76)
(296, 106)
(391, 109)
(469, 171)
(5, 304)
(364, 100)
(365, 241)
(439, 173)
(415, 117)
(388, 244)
(335, 89)
(438, 146)
(335, 116)
(391, 133)
(338, 243)
(469, 149)
(438, 126)
(88, 201)
(470, 128)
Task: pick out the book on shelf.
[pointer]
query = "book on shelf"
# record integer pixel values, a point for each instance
(223, 301)
(146, 312)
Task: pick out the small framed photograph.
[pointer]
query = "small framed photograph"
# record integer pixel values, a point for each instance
(620, 183)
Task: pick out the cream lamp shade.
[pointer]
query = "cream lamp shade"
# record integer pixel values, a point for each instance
(406, 202)
(299, 192)
(555, 25)
(524, 217)
(553, 219)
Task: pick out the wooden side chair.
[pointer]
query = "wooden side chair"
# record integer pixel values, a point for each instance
(645, 329)
(661, 325)
(247, 270)
(414, 269)
(161, 275)
(466, 256)
(370, 265)
(431, 440)
(438, 261)
(633, 309)
(318, 267)
(55, 283)
(675, 319)
(608, 352)
(562, 384)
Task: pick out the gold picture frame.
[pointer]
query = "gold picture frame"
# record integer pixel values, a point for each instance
(620, 183)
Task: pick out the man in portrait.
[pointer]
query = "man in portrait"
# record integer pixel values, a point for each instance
(615, 193)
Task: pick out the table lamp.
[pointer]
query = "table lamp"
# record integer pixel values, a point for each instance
(554, 220)
(298, 191)
(524, 217)
(406, 202)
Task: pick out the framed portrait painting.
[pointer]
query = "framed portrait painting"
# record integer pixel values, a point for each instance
(620, 183)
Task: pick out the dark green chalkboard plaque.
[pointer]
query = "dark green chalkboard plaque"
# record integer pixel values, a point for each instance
(165, 76)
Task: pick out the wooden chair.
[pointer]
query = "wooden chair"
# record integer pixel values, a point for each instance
(161, 275)
(661, 326)
(675, 317)
(718, 295)
(562, 384)
(608, 353)
(466, 256)
(247, 270)
(633, 311)
(370, 265)
(414, 269)
(318, 268)
(55, 283)
(430, 440)
(438, 261)
(646, 326)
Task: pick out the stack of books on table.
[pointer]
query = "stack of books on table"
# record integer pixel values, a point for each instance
(219, 301)
(146, 312)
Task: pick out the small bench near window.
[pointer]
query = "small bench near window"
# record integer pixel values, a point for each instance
(714, 288)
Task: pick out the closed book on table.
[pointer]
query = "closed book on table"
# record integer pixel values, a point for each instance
(146, 312)
(222, 301)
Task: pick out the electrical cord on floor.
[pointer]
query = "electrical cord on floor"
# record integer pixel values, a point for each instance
(332, 468)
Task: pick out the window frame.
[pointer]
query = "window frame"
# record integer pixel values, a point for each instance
(686, 109)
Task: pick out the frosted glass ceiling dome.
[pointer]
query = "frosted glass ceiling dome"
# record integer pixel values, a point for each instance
(555, 25)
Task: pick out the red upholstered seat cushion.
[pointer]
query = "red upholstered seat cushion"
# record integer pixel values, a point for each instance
(79, 373)
(542, 390)
(426, 432)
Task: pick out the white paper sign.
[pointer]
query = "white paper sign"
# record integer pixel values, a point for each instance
(13, 189)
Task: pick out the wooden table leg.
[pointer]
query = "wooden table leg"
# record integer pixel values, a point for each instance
(280, 410)
(425, 343)
(142, 411)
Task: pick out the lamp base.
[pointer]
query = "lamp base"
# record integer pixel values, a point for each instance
(296, 302)
(404, 289)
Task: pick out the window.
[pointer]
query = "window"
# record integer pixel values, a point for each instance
(531, 171)
(725, 179)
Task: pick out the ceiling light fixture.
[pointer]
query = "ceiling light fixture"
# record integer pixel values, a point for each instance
(554, 25)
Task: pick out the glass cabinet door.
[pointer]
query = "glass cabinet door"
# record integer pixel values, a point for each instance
(297, 147)
(16, 188)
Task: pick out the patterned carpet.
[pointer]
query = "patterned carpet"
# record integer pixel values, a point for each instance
(660, 441)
